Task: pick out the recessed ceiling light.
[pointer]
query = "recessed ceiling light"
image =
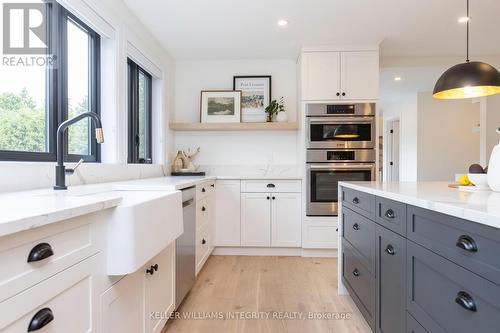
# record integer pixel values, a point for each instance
(397, 78)
(464, 19)
(282, 23)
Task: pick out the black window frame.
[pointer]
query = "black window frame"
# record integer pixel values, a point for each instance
(133, 71)
(56, 89)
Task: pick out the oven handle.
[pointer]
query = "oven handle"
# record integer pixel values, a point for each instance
(334, 167)
(343, 120)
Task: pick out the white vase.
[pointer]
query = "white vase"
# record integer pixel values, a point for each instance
(494, 169)
(281, 117)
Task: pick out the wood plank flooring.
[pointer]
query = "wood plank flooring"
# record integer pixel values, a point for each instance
(267, 286)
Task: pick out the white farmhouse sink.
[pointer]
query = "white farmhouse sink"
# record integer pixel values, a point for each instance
(141, 226)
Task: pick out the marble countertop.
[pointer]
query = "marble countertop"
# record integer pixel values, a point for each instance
(479, 206)
(26, 210)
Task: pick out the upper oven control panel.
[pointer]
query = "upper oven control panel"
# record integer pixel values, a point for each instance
(358, 109)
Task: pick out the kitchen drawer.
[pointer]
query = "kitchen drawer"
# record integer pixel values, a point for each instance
(67, 296)
(203, 241)
(361, 202)
(360, 283)
(447, 298)
(259, 186)
(203, 211)
(69, 243)
(360, 232)
(204, 189)
(392, 215)
(413, 326)
(448, 236)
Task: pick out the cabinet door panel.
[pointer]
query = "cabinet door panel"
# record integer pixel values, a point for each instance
(321, 76)
(159, 290)
(256, 219)
(122, 306)
(227, 216)
(286, 220)
(359, 75)
(391, 281)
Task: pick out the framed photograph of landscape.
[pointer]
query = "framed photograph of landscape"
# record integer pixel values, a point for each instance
(255, 96)
(220, 106)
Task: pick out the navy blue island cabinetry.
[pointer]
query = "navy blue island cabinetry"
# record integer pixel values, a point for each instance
(415, 270)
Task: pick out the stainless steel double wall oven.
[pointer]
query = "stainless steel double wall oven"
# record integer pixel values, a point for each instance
(340, 147)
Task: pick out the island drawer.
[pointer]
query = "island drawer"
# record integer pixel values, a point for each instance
(361, 202)
(270, 185)
(392, 215)
(445, 297)
(360, 283)
(469, 244)
(413, 326)
(360, 232)
(32, 256)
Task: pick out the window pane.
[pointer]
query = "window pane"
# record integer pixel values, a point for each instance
(78, 88)
(143, 98)
(23, 111)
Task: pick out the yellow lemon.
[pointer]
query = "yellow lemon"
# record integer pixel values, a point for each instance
(464, 180)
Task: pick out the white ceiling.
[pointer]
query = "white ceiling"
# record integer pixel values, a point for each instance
(238, 29)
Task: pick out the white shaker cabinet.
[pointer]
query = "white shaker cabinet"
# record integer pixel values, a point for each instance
(126, 307)
(256, 219)
(340, 75)
(321, 75)
(359, 79)
(160, 290)
(286, 221)
(227, 216)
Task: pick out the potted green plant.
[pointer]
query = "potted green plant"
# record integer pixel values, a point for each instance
(274, 108)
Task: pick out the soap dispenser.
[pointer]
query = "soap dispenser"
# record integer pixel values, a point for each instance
(494, 168)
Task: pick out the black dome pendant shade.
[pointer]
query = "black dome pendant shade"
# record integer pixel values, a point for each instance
(469, 79)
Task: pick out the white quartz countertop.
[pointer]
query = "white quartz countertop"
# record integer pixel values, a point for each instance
(31, 209)
(480, 206)
(26, 210)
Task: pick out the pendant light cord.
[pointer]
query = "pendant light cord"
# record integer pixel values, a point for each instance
(468, 20)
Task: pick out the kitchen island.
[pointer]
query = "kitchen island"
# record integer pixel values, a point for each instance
(420, 257)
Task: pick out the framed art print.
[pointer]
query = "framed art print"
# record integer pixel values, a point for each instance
(220, 106)
(255, 96)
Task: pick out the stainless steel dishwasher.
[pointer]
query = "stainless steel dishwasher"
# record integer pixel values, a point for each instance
(185, 263)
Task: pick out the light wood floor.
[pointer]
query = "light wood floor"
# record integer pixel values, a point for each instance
(267, 284)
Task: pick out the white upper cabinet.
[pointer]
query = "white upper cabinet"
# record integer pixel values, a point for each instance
(345, 75)
(321, 75)
(359, 76)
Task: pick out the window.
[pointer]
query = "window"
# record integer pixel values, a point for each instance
(34, 100)
(139, 109)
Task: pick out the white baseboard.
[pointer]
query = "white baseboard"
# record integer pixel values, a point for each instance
(320, 253)
(274, 251)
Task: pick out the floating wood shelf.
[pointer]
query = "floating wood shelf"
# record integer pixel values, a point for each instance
(234, 126)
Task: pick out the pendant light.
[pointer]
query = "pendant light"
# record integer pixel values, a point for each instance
(469, 79)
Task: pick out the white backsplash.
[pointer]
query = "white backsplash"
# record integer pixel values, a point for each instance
(17, 176)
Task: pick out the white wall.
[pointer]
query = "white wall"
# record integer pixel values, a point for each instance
(403, 107)
(233, 148)
(447, 143)
(120, 32)
(492, 123)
